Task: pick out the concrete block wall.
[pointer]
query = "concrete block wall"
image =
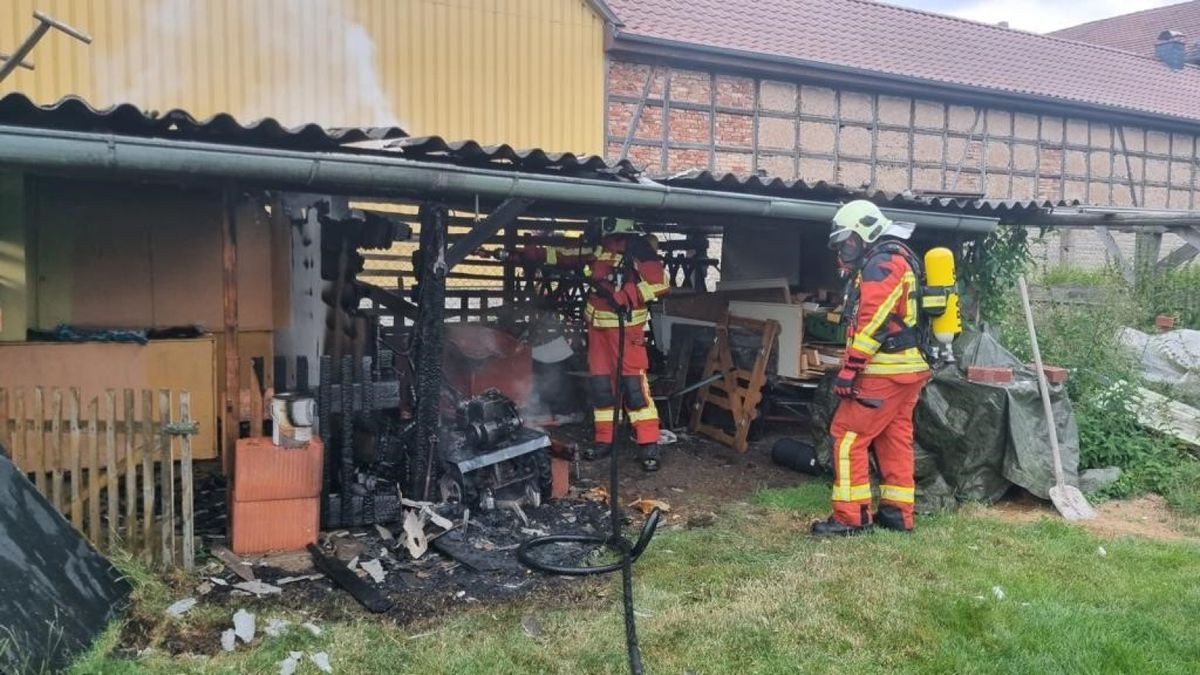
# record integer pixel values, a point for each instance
(704, 119)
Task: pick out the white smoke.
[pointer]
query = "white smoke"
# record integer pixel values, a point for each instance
(284, 73)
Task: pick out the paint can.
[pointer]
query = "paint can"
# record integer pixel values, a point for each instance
(292, 417)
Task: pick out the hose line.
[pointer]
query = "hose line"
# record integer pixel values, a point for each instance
(615, 539)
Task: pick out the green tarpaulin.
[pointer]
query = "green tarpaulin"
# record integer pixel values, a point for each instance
(974, 441)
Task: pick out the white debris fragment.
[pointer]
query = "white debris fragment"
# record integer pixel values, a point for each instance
(384, 533)
(321, 661)
(972, 547)
(228, 640)
(353, 563)
(312, 628)
(258, 588)
(218, 581)
(276, 627)
(204, 588)
(1100, 551)
(375, 569)
(460, 594)
(438, 519)
(288, 666)
(998, 592)
(414, 535)
(284, 581)
(534, 532)
(243, 625)
(180, 607)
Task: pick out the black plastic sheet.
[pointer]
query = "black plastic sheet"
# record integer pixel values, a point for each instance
(975, 441)
(56, 592)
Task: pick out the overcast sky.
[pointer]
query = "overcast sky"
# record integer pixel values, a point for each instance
(1038, 16)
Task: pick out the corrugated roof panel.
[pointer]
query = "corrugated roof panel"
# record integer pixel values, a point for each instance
(1007, 210)
(471, 153)
(75, 114)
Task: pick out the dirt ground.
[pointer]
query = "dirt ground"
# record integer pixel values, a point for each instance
(1147, 516)
(696, 476)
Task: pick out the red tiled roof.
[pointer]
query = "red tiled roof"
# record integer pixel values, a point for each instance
(875, 38)
(1138, 32)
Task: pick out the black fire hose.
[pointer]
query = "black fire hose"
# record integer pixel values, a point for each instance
(615, 540)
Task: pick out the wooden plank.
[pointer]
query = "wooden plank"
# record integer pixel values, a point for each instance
(111, 470)
(149, 441)
(91, 432)
(185, 477)
(75, 411)
(57, 459)
(18, 434)
(131, 471)
(4, 420)
(37, 444)
(167, 474)
(229, 302)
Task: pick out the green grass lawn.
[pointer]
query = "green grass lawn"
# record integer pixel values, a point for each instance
(967, 593)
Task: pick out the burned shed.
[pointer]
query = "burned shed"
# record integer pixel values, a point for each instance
(174, 233)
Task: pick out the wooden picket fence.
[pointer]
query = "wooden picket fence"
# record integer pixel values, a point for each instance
(111, 467)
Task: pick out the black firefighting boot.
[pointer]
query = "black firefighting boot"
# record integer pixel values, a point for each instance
(649, 455)
(890, 518)
(832, 527)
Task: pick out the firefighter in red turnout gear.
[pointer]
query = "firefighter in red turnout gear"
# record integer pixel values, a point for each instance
(626, 270)
(882, 374)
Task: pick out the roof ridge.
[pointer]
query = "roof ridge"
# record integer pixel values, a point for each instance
(1007, 29)
(1148, 10)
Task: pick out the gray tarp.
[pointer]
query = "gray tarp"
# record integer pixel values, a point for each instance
(56, 592)
(974, 441)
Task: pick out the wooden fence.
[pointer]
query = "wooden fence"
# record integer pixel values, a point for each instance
(119, 467)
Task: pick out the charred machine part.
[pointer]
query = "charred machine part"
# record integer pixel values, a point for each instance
(493, 457)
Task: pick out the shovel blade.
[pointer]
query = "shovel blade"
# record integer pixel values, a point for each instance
(1071, 503)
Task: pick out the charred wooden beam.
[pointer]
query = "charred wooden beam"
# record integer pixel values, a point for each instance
(502, 216)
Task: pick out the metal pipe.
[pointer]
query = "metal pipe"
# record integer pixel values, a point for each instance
(374, 175)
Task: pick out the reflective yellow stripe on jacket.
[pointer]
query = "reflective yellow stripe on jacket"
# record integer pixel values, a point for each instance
(602, 318)
(895, 363)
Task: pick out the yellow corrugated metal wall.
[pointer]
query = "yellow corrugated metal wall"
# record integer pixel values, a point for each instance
(525, 72)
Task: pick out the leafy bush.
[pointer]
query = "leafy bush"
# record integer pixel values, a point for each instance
(1082, 337)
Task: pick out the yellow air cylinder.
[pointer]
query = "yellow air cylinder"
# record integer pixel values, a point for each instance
(939, 273)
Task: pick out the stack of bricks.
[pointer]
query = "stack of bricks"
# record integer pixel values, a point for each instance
(276, 498)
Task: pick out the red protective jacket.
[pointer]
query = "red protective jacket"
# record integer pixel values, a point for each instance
(883, 312)
(645, 278)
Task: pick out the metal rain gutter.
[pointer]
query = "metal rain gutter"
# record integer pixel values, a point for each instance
(381, 176)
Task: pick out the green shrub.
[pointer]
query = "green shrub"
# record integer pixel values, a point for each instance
(1082, 337)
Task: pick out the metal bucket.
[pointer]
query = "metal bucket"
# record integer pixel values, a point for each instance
(292, 418)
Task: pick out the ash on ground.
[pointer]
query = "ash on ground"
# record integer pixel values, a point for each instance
(476, 562)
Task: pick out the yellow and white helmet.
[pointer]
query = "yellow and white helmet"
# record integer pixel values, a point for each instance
(865, 219)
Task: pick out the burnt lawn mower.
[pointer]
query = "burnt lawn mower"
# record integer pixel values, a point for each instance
(492, 457)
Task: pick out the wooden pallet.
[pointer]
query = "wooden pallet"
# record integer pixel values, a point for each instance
(739, 391)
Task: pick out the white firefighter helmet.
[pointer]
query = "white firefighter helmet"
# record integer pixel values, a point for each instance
(865, 219)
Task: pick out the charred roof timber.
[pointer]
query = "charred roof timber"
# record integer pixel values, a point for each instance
(1171, 49)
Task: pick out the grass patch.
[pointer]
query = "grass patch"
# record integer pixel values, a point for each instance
(755, 594)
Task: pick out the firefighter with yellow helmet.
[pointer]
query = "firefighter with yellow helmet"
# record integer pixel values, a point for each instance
(882, 374)
(627, 274)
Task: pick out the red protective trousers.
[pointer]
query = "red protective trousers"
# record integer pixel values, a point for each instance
(889, 429)
(602, 365)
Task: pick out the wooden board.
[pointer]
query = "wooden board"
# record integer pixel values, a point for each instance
(93, 367)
